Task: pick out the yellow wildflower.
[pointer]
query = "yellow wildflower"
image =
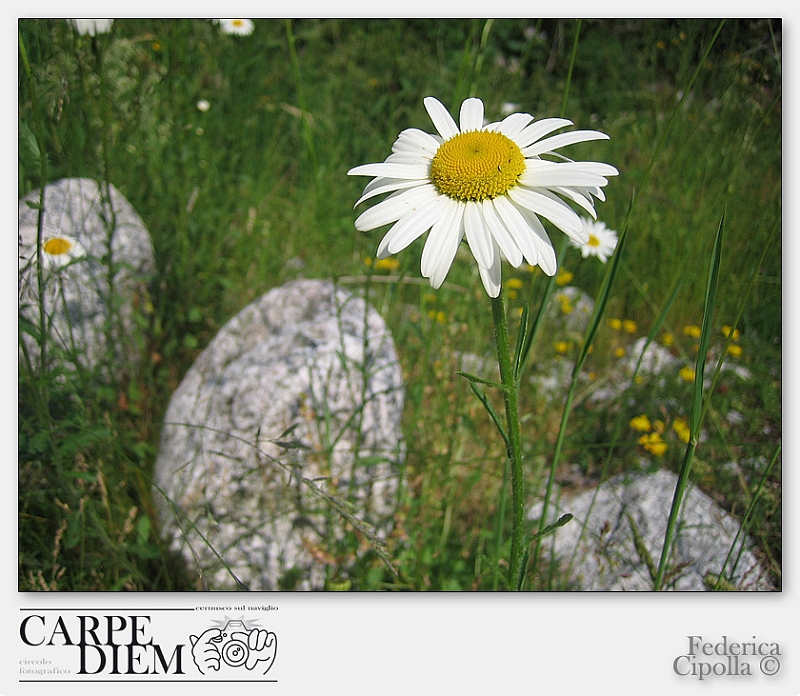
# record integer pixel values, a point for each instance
(515, 284)
(735, 351)
(615, 324)
(561, 347)
(564, 277)
(641, 423)
(390, 264)
(726, 331)
(667, 339)
(653, 443)
(630, 326)
(692, 330)
(682, 429)
(687, 373)
(619, 352)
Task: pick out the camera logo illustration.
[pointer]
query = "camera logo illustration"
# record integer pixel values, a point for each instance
(234, 646)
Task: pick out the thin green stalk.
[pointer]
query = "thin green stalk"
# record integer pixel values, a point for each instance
(513, 442)
(698, 410)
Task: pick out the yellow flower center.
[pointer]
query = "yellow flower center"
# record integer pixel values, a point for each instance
(55, 246)
(593, 241)
(477, 165)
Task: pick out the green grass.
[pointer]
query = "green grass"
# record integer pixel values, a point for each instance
(254, 192)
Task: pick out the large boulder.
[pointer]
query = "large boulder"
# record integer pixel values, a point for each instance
(617, 534)
(283, 439)
(97, 258)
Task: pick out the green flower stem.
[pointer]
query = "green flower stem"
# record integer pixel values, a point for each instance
(513, 441)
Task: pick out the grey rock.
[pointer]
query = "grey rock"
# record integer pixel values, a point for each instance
(81, 306)
(283, 435)
(604, 555)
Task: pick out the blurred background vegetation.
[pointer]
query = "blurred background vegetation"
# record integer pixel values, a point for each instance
(253, 192)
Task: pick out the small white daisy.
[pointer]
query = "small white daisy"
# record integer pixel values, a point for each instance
(92, 27)
(602, 240)
(59, 251)
(239, 27)
(486, 183)
(203, 105)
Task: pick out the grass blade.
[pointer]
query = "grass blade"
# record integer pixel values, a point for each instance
(697, 406)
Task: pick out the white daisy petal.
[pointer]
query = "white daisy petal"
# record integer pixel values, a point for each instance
(548, 174)
(538, 129)
(501, 234)
(577, 196)
(471, 117)
(581, 234)
(541, 241)
(511, 125)
(600, 168)
(478, 237)
(517, 227)
(559, 213)
(562, 140)
(442, 244)
(442, 120)
(385, 185)
(417, 143)
(599, 194)
(414, 225)
(492, 276)
(395, 207)
(393, 170)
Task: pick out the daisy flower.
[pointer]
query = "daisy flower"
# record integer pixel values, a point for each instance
(489, 184)
(602, 240)
(239, 27)
(59, 251)
(92, 27)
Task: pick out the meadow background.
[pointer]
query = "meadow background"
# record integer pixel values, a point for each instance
(253, 192)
